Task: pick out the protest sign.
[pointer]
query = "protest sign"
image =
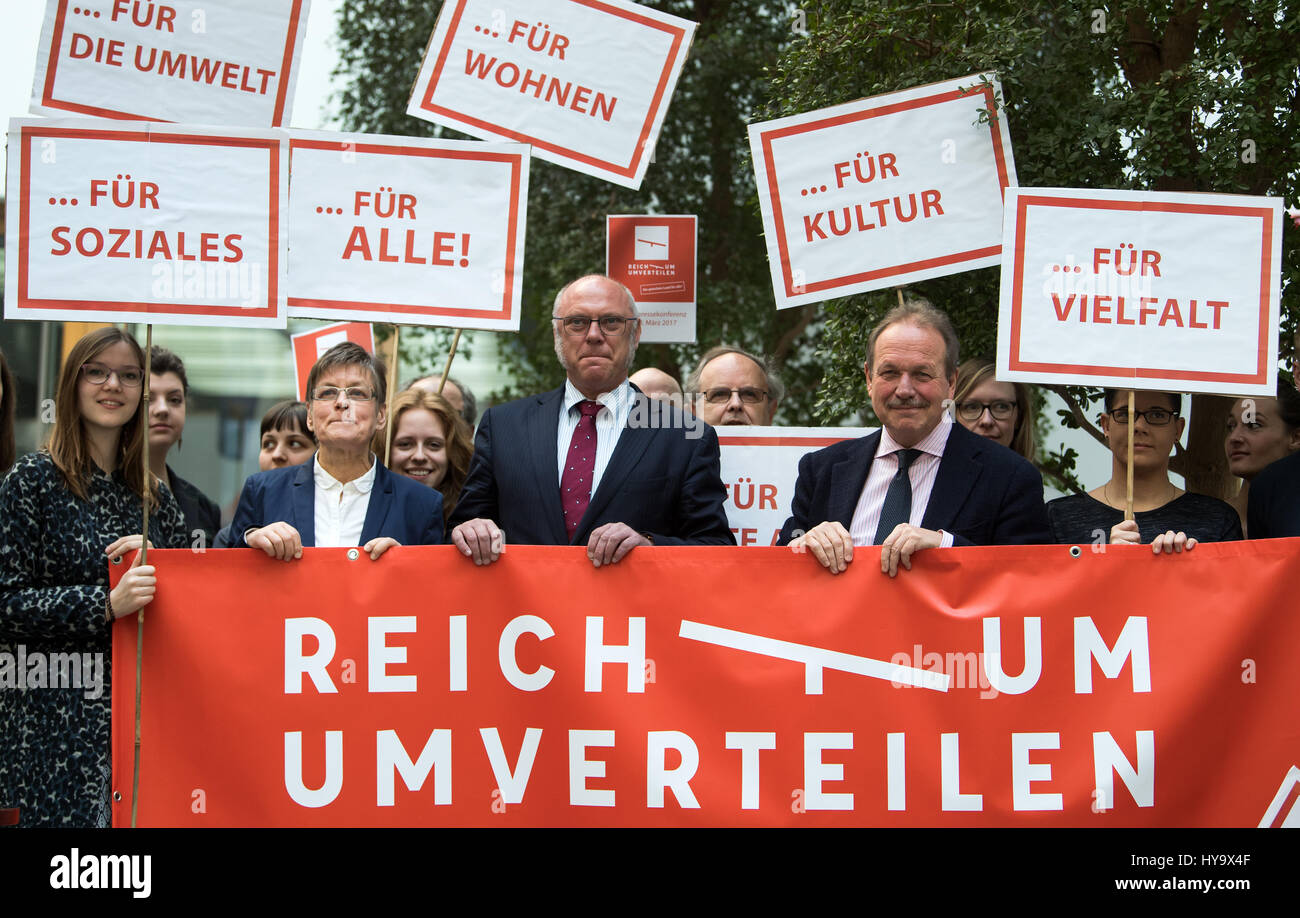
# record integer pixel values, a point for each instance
(883, 191)
(585, 82)
(195, 61)
(309, 346)
(654, 257)
(760, 466)
(111, 221)
(399, 229)
(715, 686)
(1141, 290)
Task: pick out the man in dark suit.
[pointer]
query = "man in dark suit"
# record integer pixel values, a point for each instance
(921, 481)
(343, 495)
(594, 463)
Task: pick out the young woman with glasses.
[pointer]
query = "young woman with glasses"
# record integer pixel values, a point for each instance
(1001, 411)
(1165, 516)
(65, 512)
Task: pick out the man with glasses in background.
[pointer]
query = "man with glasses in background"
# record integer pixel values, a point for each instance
(569, 467)
(731, 386)
(342, 496)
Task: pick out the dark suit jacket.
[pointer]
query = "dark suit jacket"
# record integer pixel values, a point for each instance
(658, 481)
(399, 508)
(1273, 509)
(984, 494)
(201, 512)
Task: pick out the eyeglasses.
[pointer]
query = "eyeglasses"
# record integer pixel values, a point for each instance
(1156, 417)
(973, 411)
(748, 394)
(609, 325)
(331, 394)
(97, 374)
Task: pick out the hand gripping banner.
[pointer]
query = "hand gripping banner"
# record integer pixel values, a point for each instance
(1024, 686)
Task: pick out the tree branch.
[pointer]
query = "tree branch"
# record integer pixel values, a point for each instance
(1077, 413)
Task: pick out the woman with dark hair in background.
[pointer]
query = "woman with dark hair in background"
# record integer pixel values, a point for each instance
(8, 399)
(1260, 431)
(1167, 517)
(432, 444)
(285, 441)
(66, 511)
(1001, 411)
(169, 389)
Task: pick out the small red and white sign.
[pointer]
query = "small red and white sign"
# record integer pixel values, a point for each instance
(112, 221)
(309, 346)
(760, 466)
(193, 61)
(585, 82)
(883, 191)
(1148, 290)
(654, 257)
(406, 230)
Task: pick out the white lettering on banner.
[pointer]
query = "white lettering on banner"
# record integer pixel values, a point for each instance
(750, 744)
(528, 682)
(659, 777)
(815, 659)
(1131, 645)
(297, 664)
(1024, 772)
(300, 793)
(391, 758)
(1109, 760)
(511, 782)
(950, 777)
(896, 776)
(581, 768)
(816, 771)
(458, 649)
(599, 653)
(992, 657)
(381, 654)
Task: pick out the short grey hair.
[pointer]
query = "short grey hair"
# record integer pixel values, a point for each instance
(919, 312)
(628, 301)
(350, 354)
(772, 382)
(470, 414)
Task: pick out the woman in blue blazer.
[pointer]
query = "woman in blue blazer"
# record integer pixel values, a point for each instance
(343, 496)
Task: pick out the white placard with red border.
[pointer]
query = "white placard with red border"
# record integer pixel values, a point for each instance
(310, 345)
(193, 61)
(1141, 290)
(112, 221)
(407, 230)
(585, 82)
(760, 466)
(883, 191)
(654, 257)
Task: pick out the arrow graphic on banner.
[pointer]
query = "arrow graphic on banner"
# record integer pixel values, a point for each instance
(814, 659)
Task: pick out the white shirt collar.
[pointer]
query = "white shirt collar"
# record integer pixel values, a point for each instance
(933, 442)
(609, 399)
(327, 482)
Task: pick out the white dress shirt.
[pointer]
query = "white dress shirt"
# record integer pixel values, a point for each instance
(922, 473)
(610, 421)
(341, 508)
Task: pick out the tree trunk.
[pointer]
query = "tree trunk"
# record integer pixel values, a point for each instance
(1204, 464)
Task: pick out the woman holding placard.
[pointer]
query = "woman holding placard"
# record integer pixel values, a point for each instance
(65, 512)
(1165, 516)
(1260, 432)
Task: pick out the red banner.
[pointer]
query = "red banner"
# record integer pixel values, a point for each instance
(1024, 686)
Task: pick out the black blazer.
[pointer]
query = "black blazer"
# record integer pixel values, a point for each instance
(1273, 509)
(201, 512)
(984, 494)
(659, 480)
(399, 508)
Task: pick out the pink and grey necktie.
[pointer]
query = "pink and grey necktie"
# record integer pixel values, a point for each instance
(580, 463)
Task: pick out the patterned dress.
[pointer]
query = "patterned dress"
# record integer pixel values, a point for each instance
(54, 713)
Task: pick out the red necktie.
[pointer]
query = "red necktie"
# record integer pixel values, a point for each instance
(580, 463)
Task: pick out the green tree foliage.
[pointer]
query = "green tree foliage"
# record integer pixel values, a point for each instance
(1187, 96)
(701, 166)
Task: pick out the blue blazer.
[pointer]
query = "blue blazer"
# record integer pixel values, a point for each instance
(984, 494)
(399, 508)
(658, 481)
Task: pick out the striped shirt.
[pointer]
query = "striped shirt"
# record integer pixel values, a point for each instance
(922, 473)
(609, 426)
